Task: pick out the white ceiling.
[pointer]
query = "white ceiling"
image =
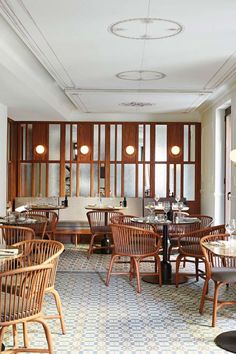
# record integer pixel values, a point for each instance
(73, 41)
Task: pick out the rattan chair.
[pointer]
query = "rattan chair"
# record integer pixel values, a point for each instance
(52, 221)
(99, 225)
(176, 230)
(13, 234)
(137, 244)
(220, 269)
(22, 304)
(189, 246)
(44, 252)
(40, 226)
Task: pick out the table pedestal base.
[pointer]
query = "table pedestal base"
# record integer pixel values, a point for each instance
(154, 279)
(227, 341)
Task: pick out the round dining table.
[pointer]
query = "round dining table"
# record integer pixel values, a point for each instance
(168, 278)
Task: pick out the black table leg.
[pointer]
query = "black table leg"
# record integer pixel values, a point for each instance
(167, 277)
(227, 341)
(3, 347)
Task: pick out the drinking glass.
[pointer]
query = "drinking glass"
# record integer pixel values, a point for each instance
(157, 198)
(230, 228)
(180, 206)
(151, 208)
(166, 208)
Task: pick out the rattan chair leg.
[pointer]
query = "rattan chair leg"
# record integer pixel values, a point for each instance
(2, 332)
(178, 261)
(215, 302)
(90, 250)
(204, 292)
(110, 269)
(59, 309)
(25, 335)
(15, 336)
(158, 263)
(131, 271)
(47, 334)
(136, 263)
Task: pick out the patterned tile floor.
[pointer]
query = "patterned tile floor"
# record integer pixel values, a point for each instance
(117, 320)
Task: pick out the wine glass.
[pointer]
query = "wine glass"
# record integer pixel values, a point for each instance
(230, 228)
(151, 208)
(157, 198)
(177, 198)
(166, 209)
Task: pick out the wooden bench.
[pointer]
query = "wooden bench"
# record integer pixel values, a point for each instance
(76, 233)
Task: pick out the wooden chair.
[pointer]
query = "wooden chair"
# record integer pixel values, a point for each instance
(99, 225)
(40, 226)
(52, 221)
(220, 269)
(44, 252)
(23, 304)
(189, 246)
(14, 234)
(178, 229)
(137, 244)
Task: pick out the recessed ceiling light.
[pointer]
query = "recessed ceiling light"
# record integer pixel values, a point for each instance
(136, 104)
(140, 75)
(146, 28)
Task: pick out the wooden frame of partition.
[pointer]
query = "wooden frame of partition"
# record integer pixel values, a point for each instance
(85, 136)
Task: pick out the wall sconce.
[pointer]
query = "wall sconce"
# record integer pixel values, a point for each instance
(84, 149)
(40, 149)
(129, 150)
(233, 156)
(175, 150)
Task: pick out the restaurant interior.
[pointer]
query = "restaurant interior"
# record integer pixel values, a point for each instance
(118, 176)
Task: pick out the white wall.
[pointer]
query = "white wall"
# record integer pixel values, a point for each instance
(3, 158)
(212, 170)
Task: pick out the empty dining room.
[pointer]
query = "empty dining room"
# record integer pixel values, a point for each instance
(118, 176)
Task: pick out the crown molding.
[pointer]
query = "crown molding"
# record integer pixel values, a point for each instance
(17, 15)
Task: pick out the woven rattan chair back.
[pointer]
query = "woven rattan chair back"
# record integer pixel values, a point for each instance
(23, 302)
(52, 221)
(13, 234)
(132, 241)
(45, 252)
(221, 269)
(99, 222)
(205, 220)
(40, 226)
(189, 246)
(127, 220)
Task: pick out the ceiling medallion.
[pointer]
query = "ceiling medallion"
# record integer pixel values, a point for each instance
(140, 75)
(145, 28)
(136, 104)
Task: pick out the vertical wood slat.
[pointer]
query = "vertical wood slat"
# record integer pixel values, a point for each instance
(143, 157)
(152, 160)
(107, 160)
(62, 161)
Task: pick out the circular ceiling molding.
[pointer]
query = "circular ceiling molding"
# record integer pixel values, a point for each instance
(136, 104)
(140, 75)
(145, 28)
